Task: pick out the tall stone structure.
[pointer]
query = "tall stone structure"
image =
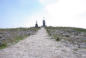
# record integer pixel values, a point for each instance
(44, 24)
(36, 25)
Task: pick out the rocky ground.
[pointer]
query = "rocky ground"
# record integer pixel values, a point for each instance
(42, 45)
(73, 38)
(10, 36)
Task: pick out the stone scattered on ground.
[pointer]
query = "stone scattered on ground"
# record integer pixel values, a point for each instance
(7, 36)
(41, 45)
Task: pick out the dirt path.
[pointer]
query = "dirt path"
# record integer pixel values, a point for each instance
(37, 46)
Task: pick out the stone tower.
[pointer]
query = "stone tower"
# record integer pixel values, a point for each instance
(44, 23)
(36, 25)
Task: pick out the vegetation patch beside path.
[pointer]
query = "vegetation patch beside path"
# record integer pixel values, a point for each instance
(13, 35)
(75, 36)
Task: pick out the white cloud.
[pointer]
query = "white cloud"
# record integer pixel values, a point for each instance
(65, 12)
(46, 2)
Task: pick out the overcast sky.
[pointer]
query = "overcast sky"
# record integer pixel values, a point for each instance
(24, 13)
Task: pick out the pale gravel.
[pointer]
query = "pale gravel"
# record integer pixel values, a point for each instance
(38, 46)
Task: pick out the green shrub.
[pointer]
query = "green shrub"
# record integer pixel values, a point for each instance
(57, 39)
(3, 46)
(14, 35)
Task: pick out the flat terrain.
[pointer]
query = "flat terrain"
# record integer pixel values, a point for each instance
(39, 46)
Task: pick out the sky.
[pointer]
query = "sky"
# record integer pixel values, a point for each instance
(25, 13)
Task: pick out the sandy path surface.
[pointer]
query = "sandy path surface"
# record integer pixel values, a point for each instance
(35, 46)
(38, 46)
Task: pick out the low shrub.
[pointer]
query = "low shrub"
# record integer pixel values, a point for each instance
(13, 35)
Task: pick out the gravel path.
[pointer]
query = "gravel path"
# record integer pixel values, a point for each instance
(38, 46)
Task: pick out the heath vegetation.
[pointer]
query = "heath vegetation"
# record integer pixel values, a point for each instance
(13, 35)
(75, 36)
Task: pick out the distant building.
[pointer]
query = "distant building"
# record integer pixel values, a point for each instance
(44, 24)
(36, 25)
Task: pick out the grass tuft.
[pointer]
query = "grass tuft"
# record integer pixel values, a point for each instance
(2, 46)
(14, 35)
